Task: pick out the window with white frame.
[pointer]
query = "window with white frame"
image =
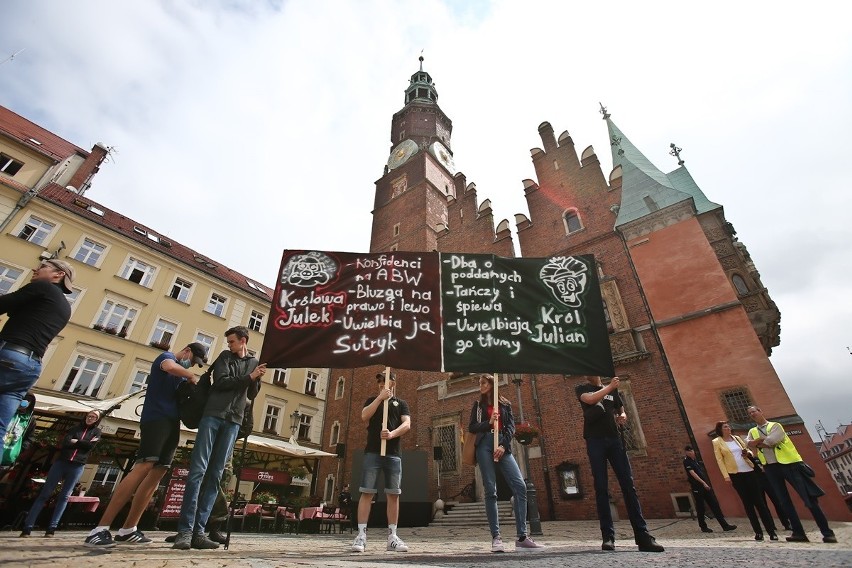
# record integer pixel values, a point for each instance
(216, 304)
(305, 426)
(335, 433)
(9, 165)
(8, 277)
(272, 418)
(116, 318)
(107, 475)
(73, 296)
(164, 331)
(180, 290)
(137, 271)
(35, 230)
(311, 383)
(87, 376)
(90, 252)
(205, 340)
(140, 381)
(255, 321)
(280, 377)
(328, 494)
(341, 387)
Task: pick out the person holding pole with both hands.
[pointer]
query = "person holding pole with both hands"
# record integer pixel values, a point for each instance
(382, 453)
(492, 422)
(603, 413)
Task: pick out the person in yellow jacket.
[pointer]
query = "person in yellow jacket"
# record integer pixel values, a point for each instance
(734, 462)
(783, 465)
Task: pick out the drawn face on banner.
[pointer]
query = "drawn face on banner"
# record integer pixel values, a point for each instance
(567, 278)
(309, 270)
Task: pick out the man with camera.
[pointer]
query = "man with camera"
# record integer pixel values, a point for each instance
(702, 492)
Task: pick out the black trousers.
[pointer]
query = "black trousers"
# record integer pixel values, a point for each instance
(747, 486)
(701, 496)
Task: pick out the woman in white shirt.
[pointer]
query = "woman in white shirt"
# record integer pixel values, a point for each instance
(734, 461)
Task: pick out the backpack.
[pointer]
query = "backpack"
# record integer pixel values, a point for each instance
(192, 398)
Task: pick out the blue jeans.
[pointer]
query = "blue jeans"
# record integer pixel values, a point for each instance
(213, 442)
(68, 473)
(779, 474)
(392, 468)
(18, 372)
(512, 474)
(601, 451)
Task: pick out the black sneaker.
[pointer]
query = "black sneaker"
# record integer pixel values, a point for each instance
(647, 543)
(727, 528)
(25, 533)
(136, 537)
(201, 542)
(608, 544)
(706, 530)
(798, 538)
(830, 539)
(49, 533)
(216, 536)
(101, 539)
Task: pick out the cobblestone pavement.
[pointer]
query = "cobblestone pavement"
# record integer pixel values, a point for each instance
(570, 543)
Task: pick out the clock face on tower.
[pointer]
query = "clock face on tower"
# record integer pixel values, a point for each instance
(401, 153)
(443, 155)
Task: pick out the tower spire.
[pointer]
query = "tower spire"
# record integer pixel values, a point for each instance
(421, 60)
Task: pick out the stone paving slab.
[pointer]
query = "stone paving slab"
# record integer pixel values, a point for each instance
(570, 543)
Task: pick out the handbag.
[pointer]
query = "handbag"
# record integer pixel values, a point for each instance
(469, 442)
(469, 449)
(192, 398)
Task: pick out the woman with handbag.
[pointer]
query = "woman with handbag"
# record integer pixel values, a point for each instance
(484, 420)
(735, 462)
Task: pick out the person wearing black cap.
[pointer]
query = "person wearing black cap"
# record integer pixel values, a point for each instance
(159, 426)
(37, 313)
(399, 422)
(702, 492)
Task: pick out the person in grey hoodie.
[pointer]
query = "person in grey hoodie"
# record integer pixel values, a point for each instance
(235, 377)
(67, 469)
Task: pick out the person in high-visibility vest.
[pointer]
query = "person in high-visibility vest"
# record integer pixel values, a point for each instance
(783, 464)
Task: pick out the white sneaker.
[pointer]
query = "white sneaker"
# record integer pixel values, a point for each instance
(395, 543)
(360, 543)
(497, 544)
(528, 544)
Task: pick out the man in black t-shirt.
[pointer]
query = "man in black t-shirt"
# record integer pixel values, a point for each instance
(36, 314)
(702, 492)
(603, 413)
(399, 422)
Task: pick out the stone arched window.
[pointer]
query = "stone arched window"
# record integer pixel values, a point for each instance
(341, 387)
(571, 218)
(740, 284)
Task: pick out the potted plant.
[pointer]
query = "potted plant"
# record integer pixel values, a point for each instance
(264, 498)
(525, 433)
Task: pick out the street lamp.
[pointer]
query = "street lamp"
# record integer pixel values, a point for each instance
(532, 500)
(294, 425)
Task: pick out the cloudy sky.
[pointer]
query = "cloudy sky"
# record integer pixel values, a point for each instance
(242, 127)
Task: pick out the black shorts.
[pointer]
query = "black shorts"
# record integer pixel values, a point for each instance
(158, 441)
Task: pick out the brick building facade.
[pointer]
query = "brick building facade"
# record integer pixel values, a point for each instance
(691, 324)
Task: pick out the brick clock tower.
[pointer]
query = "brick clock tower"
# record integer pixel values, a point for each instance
(691, 324)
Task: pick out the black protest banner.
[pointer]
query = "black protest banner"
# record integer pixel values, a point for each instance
(526, 315)
(342, 310)
(433, 312)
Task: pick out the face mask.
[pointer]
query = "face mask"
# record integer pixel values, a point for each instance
(185, 363)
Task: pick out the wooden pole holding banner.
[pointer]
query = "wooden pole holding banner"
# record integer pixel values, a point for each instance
(385, 411)
(497, 411)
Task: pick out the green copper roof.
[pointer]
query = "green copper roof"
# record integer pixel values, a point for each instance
(644, 188)
(682, 180)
